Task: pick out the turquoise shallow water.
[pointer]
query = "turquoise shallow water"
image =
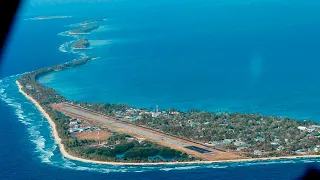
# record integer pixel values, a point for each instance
(35, 155)
(206, 55)
(254, 57)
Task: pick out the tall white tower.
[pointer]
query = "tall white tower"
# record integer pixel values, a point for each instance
(157, 108)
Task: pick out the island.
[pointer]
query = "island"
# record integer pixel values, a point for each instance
(81, 44)
(140, 135)
(84, 30)
(49, 17)
(81, 138)
(121, 134)
(92, 21)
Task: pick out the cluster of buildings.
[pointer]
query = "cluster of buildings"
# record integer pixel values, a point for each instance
(241, 145)
(134, 114)
(311, 128)
(77, 125)
(238, 143)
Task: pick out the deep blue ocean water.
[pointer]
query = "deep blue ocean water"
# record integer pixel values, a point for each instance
(249, 56)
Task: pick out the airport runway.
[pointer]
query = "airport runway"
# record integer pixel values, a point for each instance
(189, 147)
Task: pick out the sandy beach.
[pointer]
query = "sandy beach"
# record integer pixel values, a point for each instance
(79, 48)
(67, 155)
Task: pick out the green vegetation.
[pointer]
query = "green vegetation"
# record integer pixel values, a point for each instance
(91, 21)
(132, 152)
(81, 44)
(252, 135)
(274, 136)
(86, 29)
(118, 144)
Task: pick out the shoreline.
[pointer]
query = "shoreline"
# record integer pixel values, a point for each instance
(71, 33)
(65, 154)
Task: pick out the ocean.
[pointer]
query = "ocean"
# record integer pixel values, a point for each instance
(258, 56)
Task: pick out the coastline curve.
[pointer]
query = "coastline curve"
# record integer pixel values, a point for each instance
(71, 157)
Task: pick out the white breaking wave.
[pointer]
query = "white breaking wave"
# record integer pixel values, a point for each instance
(63, 48)
(66, 47)
(33, 122)
(39, 131)
(45, 147)
(179, 168)
(67, 34)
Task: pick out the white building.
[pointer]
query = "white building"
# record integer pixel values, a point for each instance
(280, 148)
(29, 87)
(257, 152)
(311, 129)
(302, 128)
(239, 143)
(315, 126)
(155, 114)
(140, 139)
(259, 139)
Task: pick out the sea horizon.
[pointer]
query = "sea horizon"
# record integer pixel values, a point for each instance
(269, 80)
(259, 70)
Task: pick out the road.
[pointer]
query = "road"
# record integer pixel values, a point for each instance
(161, 138)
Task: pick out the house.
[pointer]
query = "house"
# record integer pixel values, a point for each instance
(259, 139)
(193, 124)
(29, 87)
(280, 148)
(302, 128)
(130, 110)
(239, 143)
(174, 113)
(209, 144)
(217, 143)
(241, 147)
(257, 152)
(227, 141)
(95, 128)
(73, 130)
(119, 116)
(315, 126)
(274, 143)
(130, 139)
(310, 129)
(72, 123)
(84, 129)
(301, 151)
(155, 114)
(276, 140)
(140, 139)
